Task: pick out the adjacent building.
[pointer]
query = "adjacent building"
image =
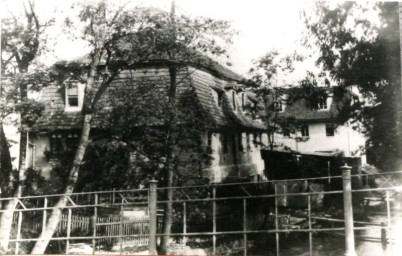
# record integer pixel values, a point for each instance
(316, 121)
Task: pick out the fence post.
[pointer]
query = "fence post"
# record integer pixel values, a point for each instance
(348, 211)
(245, 226)
(94, 222)
(44, 214)
(184, 227)
(121, 239)
(68, 230)
(276, 219)
(310, 235)
(152, 197)
(214, 219)
(389, 220)
(17, 245)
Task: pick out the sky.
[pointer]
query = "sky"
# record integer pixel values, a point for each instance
(262, 25)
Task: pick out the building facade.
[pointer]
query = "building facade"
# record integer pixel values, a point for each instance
(218, 95)
(318, 123)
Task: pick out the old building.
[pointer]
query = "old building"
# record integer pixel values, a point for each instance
(317, 121)
(218, 94)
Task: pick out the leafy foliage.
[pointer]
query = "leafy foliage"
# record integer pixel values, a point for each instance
(264, 75)
(369, 59)
(137, 148)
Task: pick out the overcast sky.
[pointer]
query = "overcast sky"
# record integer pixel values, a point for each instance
(262, 25)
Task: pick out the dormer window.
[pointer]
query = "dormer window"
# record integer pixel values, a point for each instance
(278, 105)
(234, 99)
(220, 98)
(322, 102)
(243, 101)
(73, 97)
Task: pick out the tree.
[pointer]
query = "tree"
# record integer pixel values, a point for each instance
(356, 51)
(20, 44)
(265, 74)
(122, 38)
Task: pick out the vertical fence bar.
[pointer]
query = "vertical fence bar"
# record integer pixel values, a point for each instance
(276, 219)
(245, 225)
(121, 228)
(348, 211)
(68, 230)
(329, 175)
(184, 227)
(310, 234)
(152, 197)
(214, 220)
(44, 214)
(94, 223)
(17, 244)
(389, 221)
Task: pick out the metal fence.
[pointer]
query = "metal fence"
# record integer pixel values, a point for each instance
(234, 218)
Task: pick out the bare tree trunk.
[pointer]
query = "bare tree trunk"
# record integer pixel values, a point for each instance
(171, 125)
(7, 216)
(54, 219)
(5, 225)
(5, 163)
(167, 216)
(172, 134)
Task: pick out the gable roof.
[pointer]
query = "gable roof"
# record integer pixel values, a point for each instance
(201, 82)
(300, 109)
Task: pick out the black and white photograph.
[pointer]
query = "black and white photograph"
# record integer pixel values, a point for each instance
(201, 127)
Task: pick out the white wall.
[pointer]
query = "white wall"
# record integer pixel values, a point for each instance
(249, 161)
(345, 139)
(13, 138)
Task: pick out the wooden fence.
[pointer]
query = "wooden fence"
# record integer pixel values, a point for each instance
(106, 226)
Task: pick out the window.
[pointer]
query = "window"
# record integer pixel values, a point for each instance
(63, 143)
(255, 140)
(240, 141)
(248, 141)
(220, 95)
(286, 132)
(234, 99)
(209, 139)
(243, 101)
(278, 105)
(72, 142)
(225, 144)
(56, 144)
(305, 131)
(330, 129)
(72, 95)
(322, 102)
